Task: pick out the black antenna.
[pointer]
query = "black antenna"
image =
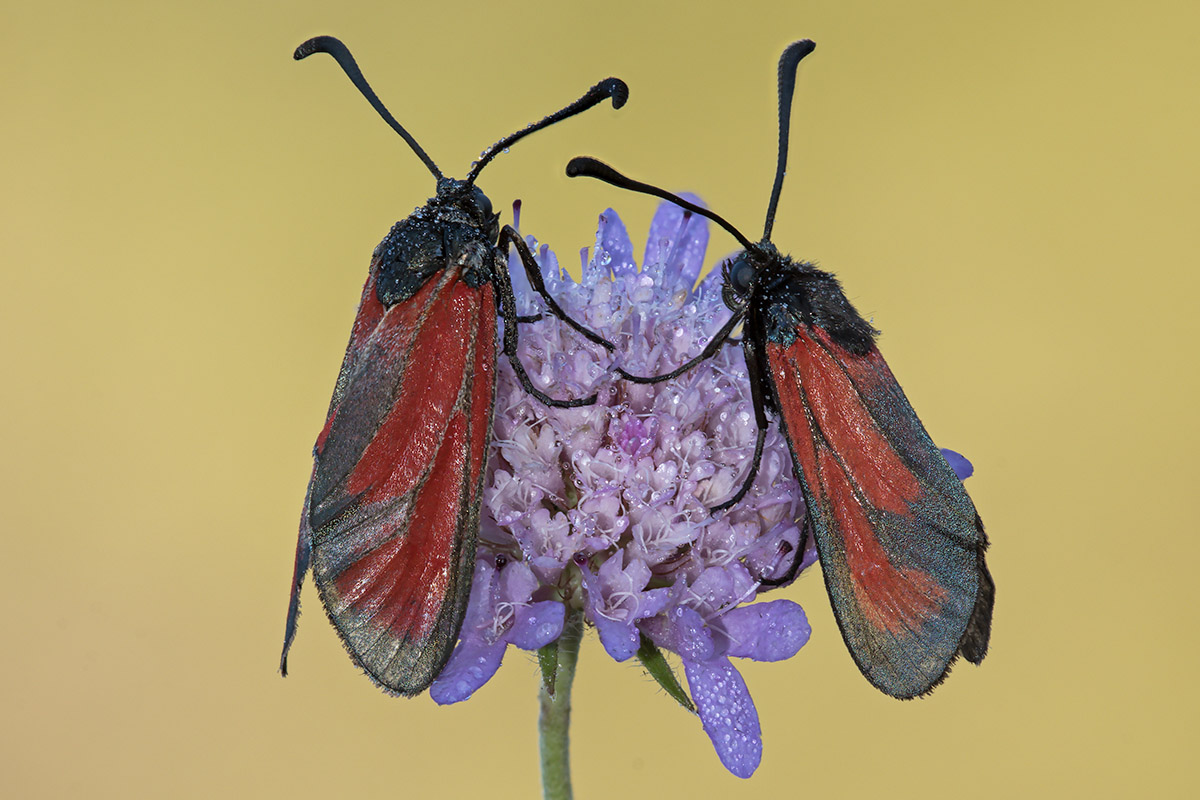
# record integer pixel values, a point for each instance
(341, 54)
(591, 168)
(609, 87)
(787, 87)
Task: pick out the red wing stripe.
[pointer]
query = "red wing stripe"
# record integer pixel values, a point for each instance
(423, 562)
(407, 440)
(872, 378)
(364, 397)
(795, 413)
(890, 520)
(434, 529)
(396, 490)
(894, 599)
(884, 479)
(400, 589)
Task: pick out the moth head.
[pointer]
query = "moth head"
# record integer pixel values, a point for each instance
(462, 194)
(471, 200)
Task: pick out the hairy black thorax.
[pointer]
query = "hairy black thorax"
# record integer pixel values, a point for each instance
(455, 227)
(784, 293)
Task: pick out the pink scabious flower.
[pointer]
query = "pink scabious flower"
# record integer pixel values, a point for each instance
(607, 507)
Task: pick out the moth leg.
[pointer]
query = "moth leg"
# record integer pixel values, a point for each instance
(508, 312)
(709, 351)
(755, 377)
(805, 535)
(509, 234)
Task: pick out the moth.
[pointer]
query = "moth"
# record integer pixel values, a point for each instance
(391, 515)
(900, 543)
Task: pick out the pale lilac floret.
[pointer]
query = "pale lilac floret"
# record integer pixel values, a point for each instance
(617, 600)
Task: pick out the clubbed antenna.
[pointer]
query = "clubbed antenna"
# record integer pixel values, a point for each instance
(787, 87)
(609, 87)
(591, 168)
(341, 54)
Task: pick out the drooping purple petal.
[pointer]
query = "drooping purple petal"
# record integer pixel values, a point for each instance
(472, 664)
(769, 631)
(537, 625)
(481, 604)
(959, 463)
(620, 639)
(727, 712)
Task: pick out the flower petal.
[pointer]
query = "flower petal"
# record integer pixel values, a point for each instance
(471, 665)
(614, 250)
(517, 582)
(537, 625)
(481, 605)
(520, 283)
(728, 713)
(620, 639)
(959, 463)
(677, 244)
(769, 631)
(682, 631)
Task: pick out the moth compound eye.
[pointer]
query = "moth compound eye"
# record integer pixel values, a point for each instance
(482, 203)
(741, 276)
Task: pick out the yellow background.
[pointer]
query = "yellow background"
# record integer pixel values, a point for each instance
(1009, 190)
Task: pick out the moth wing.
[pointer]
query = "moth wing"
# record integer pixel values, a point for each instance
(900, 543)
(392, 513)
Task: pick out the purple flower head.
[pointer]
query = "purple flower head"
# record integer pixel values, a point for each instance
(606, 507)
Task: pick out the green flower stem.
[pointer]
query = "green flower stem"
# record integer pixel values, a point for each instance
(554, 720)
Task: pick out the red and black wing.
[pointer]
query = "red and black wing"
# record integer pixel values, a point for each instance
(900, 542)
(392, 513)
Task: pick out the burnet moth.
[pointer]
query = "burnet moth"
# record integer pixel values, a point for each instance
(391, 516)
(900, 543)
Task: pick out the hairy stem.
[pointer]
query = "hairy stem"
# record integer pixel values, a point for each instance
(554, 720)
